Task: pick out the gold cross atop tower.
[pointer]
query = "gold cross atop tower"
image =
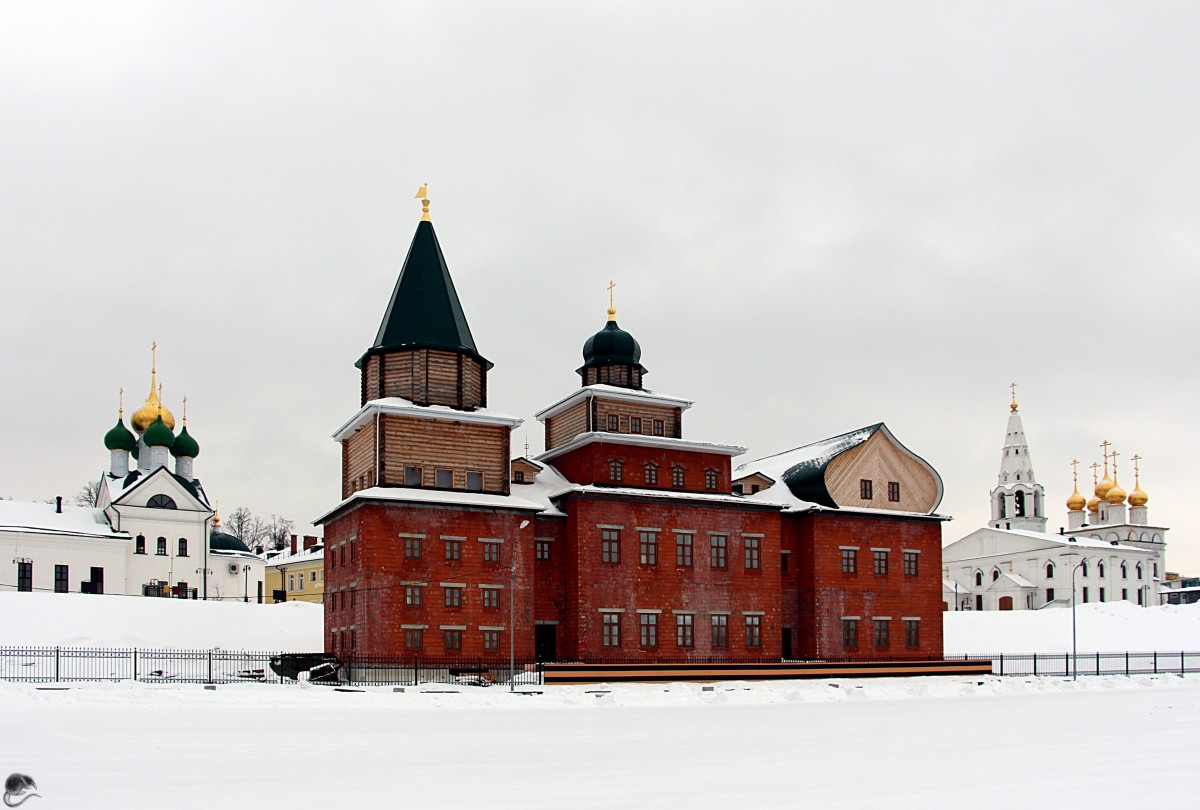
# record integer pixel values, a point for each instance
(1075, 470)
(423, 196)
(612, 311)
(1095, 474)
(1013, 388)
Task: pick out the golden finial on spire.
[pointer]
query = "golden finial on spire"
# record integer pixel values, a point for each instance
(1105, 483)
(217, 516)
(423, 196)
(612, 310)
(185, 411)
(1095, 474)
(121, 403)
(1013, 388)
(153, 408)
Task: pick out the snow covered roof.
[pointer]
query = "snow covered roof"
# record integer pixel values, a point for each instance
(640, 440)
(119, 486)
(286, 557)
(42, 518)
(1063, 540)
(439, 497)
(404, 407)
(1009, 577)
(612, 392)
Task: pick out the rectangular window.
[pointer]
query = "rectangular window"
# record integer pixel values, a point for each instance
(720, 631)
(881, 563)
(650, 473)
(912, 633)
(452, 596)
(412, 547)
(342, 554)
(649, 626)
(881, 633)
(445, 479)
(491, 640)
(1124, 594)
(412, 478)
(910, 563)
(519, 477)
(678, 476)
(635, 424)
(412, 639)
(543, 549)
(683, 630)
(312, 575)
(718, 543)
(491, 597)
(610, 545)
(894, 491)
(475, 481)
(1102, 594)
(753, 631)
(710, 479)
(849, 633)
(658, 427)
(300, 581)
(491, 552)
(1085, 594)
(783, 562)
(753, 554)
(412, 594)
(849, 561)
(453, 549)
(61, 579)
(24, 576)
(612, 629)
(614, 423)
(162, 546)
(97, 579)
(291, 582)
(1050, 595)
(649, 548)
(452, 639)
(865, 489)
(683, 549)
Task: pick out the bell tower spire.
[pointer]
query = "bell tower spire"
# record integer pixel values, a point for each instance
(1018, 500)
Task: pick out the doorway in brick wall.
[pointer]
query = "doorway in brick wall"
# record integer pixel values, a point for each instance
(787, 643)
(545, 642)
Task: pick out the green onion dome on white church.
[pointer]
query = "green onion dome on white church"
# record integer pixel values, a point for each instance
(158, 434)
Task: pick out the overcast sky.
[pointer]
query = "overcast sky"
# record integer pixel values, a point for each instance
(818, 216)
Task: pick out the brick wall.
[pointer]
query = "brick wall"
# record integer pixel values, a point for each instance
(590, 465)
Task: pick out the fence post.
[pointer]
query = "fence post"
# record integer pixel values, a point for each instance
(56, 651)
(1001, 664)
(1182, 669)
(1035, 663)
(135, 663)
(1097, 663)
(1156, 662)
(1127, 663)
(210, 680)
(1066, 664)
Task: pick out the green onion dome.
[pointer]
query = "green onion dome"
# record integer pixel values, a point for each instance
(120, 438)
(612, 344)
(185, 445)
(158, 435)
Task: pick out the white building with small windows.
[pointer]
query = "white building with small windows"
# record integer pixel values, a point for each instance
(1107, 553)
(150, 532)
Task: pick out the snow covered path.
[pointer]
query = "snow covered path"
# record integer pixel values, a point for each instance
(924, 742)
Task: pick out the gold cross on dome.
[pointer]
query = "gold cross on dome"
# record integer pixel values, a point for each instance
(1095, 474)
(1075, 469)
(611, 284)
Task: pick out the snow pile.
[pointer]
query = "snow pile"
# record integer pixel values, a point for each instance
(1101, 627)
(86, 620)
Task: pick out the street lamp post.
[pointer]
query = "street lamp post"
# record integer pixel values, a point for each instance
(1074, 633)
(512, 630)
(245, 583)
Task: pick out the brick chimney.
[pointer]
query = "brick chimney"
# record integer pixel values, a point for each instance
(293, 544)
(310, 541)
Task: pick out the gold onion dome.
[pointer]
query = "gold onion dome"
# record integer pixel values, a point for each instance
(1138, 497)
(1104, 486)
(1115, 494)
(1093, 505)
(1076, 502)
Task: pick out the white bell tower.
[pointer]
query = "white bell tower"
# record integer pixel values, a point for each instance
(1018, 501)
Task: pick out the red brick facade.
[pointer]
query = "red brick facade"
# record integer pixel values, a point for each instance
(645, 467)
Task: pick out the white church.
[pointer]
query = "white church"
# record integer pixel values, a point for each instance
(151, 531)
(1108, 552)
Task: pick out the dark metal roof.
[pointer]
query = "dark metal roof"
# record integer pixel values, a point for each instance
(424, 311)
(220, 541)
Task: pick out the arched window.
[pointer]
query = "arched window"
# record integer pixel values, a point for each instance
(162, 546)
(1002, 504)
(995, 574)
(978, 578)
(616, 470)
(160, 502)
(710, 479)
(1083, 567)
(182, 547)
(650, 472)
(1139, 570)
(1049, 570)
(1100, 569)
(678, 475)
(1019, 503)
(1124, 571)
(140, 544)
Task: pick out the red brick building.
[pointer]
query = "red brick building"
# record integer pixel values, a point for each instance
(623, 540)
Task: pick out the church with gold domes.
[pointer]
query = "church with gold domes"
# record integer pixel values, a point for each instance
(151, 532)
(1108, 552)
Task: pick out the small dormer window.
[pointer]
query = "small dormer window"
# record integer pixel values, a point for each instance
(161, 502)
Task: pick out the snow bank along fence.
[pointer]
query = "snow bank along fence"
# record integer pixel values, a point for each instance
(216, 666)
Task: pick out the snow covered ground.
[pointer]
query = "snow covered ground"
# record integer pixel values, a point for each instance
(921, 743)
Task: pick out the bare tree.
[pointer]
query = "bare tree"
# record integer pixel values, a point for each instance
(278, 531)
(245, 526)
(88, 493)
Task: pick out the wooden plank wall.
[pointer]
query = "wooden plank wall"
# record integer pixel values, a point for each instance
(881, 460)
(439, 443)
(358, 461)
(426, 376)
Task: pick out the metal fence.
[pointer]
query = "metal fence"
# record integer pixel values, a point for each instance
(1093, 663)
(60, 664)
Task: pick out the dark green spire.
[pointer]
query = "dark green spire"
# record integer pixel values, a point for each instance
(424, 311)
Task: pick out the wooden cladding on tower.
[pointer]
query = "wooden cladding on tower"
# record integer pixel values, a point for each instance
(426, 377)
